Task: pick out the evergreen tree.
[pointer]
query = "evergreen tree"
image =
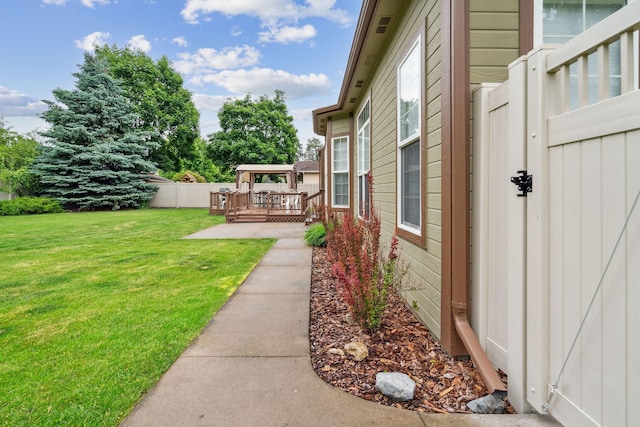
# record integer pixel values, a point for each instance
(94, 156)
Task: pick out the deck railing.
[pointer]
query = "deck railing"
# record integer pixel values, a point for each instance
(269, 203)
(313, 204)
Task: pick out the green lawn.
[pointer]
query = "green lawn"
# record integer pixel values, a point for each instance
(95, 307)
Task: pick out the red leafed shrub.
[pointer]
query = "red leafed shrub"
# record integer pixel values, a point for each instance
(363, 272)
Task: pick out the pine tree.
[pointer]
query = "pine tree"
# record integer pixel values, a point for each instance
(95, 156)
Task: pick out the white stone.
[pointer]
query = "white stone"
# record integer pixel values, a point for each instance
(397, 386)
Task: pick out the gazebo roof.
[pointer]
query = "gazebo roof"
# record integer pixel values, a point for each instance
(267, 169)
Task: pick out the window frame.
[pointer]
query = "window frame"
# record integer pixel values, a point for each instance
(538, 30)
(412, 232)
(363, 159)
(342, 172)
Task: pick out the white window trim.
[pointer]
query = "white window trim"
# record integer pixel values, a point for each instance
(538, 33)
(334, 172)
(537, 22)
(361, 171)
(415, 47)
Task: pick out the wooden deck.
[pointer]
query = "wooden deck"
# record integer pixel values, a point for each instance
(261, 207)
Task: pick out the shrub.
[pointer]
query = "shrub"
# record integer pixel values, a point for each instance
(188, 176)
(363, 272)
(29, 206)
(316, 235)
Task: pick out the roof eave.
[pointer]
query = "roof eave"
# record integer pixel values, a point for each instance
(363, 37)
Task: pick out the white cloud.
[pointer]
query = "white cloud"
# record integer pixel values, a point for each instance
(88, 3)
(268, 11)
(140, 43)
(263, 81)
(180, 41)
(91, 3)
(97, 38)
(206, 60)
(209, 102)
(13, 104)
(288, 34)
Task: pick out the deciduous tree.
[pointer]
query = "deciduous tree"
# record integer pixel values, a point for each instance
(17, 153)
(254, 132)
(163, 105)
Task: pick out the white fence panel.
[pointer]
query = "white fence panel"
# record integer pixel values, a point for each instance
(185, 195)
(581, 277)
(498, 240)
(196, 195)
(491, 180)
(593, 185)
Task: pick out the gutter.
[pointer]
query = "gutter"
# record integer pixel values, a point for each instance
(485, 368)
(456, 183)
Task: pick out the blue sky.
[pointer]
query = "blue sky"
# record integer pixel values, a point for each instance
(223, 49)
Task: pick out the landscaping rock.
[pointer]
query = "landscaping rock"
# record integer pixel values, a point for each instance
(489, 404)
(357, 350)
(336, 351)
(395, 385)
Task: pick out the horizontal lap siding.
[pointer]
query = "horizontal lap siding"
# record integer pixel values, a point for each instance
(420, 17)
(339, 126)
(493, 38)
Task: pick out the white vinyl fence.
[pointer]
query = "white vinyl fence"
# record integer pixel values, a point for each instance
(568, 254)
(196, 195)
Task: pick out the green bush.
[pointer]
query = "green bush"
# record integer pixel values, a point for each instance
(316, 235)
(29, 206)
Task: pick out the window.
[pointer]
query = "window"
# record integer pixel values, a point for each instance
(563, 20)
(364, 141)
(409, 145)
(340, 172)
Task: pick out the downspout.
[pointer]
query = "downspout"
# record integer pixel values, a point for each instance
(459, 121)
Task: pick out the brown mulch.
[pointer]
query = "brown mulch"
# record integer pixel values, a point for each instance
(402, 344)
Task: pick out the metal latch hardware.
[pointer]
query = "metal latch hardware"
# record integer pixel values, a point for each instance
(524, 183)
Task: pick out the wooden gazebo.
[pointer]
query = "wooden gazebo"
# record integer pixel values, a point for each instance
(247, 173)
(265, 205)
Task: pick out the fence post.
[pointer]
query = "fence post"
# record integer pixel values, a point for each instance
(516, 243)
(539, 107)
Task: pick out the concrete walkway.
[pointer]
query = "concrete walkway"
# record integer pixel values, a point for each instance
(251, 364)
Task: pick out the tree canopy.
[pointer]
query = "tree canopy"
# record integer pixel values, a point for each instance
(254, 132)
(17, 153)
(95, 155)
(163, 105)
(310, 151)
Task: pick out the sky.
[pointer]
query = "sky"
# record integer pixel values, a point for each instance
(222, 48)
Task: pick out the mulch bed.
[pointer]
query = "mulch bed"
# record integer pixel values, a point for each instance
(402, 344)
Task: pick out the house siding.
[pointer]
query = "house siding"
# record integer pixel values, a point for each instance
(490, 52)
(494, 39)
(420, 19)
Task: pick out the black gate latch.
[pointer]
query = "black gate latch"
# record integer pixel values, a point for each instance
(524, 183)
